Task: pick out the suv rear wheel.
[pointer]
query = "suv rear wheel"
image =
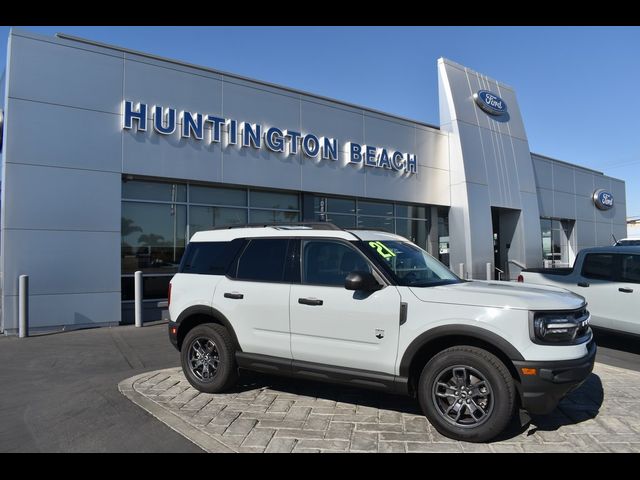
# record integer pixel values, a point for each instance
(208, 358)
(467, 394)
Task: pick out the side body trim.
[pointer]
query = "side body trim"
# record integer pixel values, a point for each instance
(323, 373)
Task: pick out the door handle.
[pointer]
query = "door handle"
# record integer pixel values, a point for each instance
(234, 295)
(625, 290)
(583, 284)
(310, 301)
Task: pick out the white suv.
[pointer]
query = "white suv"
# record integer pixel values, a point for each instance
(371, 309)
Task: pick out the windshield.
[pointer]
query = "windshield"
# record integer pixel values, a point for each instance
(412, 266)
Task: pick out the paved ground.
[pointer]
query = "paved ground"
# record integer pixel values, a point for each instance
(60, 393)
(618, 350)
(266, 414)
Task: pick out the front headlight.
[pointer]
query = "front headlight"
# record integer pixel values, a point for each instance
(559, 327)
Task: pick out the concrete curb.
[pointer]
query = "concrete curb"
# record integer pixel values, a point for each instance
(202, 440)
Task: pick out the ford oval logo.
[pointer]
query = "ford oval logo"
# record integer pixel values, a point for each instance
(603, 199)
(490, 102)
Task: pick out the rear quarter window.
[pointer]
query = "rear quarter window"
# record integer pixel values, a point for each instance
(209, 258)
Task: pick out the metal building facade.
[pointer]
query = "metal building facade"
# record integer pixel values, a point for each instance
(66, 157)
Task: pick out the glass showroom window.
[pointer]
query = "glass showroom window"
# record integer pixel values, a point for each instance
(154, 232)
(377, 215)
(410, 221)
(339, 211)
(273, 207)
(212, 207)
(557, 247)
(158, 218)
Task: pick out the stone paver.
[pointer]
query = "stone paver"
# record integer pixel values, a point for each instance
(280, 415)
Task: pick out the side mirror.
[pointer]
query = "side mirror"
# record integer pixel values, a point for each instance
(362, 281)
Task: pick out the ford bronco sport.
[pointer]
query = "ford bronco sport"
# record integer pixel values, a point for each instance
(370, 309)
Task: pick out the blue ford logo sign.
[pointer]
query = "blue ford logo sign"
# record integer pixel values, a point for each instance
(603, 199)
(490, 102)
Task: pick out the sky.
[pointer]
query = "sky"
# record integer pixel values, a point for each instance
(576, 86)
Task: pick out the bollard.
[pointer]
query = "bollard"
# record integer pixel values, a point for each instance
(23, 306)
(461, 270)
(489, 271)
(138, 297)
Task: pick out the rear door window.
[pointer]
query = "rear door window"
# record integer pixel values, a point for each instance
(263, 260)
(598, 266)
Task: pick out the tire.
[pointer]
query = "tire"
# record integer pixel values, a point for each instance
(457, 404)
(219, 371)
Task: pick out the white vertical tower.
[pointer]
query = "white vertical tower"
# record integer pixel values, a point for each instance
(490, 166)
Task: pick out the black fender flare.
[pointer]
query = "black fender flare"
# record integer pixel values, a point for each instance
(456, 330)
(209, 312)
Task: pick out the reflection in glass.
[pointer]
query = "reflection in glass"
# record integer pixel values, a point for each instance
(153, 237)
(272, 216)
(342, 221)
(163, 192)
(273, 200)
(411, 211)
(218, 196)
(557, 250)
(413, 230)
(375, 208)
(205, 218)
(378, 223)
(153, 287)
(335, 205)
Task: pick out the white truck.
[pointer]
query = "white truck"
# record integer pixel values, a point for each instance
(371, 309)
(607, 277)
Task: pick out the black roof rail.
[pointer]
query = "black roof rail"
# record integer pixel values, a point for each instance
(283, 226)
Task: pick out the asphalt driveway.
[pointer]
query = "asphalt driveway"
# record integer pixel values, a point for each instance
(59, 392)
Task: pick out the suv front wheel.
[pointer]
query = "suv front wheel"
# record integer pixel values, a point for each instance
(208, 358)
(467, 394)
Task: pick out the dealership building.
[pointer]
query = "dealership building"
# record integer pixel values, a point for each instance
(112, 159)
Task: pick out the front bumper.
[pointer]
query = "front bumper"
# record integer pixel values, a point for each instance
(541, 393)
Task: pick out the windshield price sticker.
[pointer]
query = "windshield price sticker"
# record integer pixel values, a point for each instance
(382, 250)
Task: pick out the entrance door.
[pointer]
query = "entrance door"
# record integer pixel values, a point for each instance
(495, 220)
(505, 221)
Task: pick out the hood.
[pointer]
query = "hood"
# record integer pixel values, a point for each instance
(501, 294)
